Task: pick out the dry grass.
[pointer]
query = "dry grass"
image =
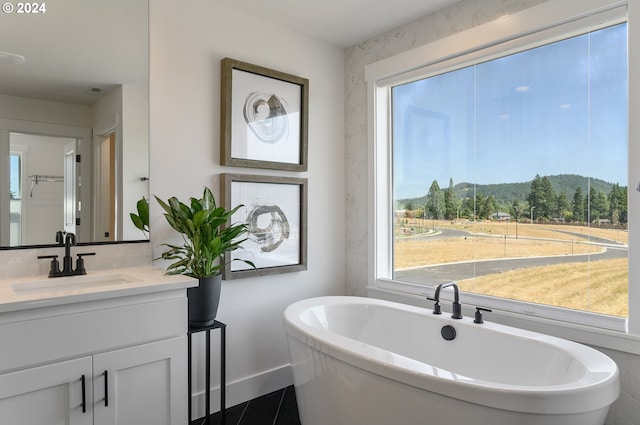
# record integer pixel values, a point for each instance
(415, 253)
(600, 287)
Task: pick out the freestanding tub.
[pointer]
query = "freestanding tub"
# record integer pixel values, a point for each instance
(372, 362)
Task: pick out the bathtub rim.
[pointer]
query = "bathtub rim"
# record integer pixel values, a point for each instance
(589, 393)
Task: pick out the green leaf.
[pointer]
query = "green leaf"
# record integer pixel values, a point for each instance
(141, 220)
(207, 235)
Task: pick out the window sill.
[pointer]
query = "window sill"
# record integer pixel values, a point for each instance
(613, 340)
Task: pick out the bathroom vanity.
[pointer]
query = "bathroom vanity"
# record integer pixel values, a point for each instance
(105, 348)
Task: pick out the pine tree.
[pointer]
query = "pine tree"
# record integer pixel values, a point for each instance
(450, 202)
(542, 197)
(562, 205)
(435, 201)
(578, 205)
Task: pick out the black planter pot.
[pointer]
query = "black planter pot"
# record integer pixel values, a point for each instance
(204, 300)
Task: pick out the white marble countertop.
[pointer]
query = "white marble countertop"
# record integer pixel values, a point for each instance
(42, 291)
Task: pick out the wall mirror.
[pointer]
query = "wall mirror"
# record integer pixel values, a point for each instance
(74, 120)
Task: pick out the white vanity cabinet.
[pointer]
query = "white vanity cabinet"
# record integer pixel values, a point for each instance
(143, 384)
(50, 394)
(130, 351)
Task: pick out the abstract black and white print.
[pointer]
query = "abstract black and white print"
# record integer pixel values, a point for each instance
(272, 214)
(268, 226)
(266, 118)
(266, 115)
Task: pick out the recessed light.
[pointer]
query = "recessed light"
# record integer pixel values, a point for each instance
(11, 58)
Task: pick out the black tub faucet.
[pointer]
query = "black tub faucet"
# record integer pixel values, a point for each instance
(456, 308)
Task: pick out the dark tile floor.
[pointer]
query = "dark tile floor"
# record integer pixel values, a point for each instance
(276, 408)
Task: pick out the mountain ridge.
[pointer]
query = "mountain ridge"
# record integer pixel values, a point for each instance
(506, 193)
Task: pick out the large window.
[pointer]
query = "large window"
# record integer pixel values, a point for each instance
(508, 173)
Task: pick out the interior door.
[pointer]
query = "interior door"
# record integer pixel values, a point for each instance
(70, 178)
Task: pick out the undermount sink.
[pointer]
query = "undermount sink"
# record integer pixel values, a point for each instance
(71, 283)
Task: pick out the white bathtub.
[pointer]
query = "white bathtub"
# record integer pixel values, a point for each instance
(372, 362)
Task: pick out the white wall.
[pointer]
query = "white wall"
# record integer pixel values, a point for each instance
(124, 109)
(187, 44)
(20, 108)
(134, 156)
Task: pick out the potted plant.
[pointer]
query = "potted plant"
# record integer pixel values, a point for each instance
(207, 237)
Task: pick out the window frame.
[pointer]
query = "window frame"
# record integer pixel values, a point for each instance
(543, 24)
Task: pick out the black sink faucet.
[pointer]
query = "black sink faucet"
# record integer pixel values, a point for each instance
(69, 240)
(67, 261)
(457, 307)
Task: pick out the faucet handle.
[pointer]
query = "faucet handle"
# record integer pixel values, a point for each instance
(55, 264)
(478, 317)
(80, 262)
(436, 306)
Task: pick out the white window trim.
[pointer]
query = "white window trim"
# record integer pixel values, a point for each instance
(409, 65)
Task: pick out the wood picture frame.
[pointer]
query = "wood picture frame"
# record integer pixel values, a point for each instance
(275, 210)
(264, 117)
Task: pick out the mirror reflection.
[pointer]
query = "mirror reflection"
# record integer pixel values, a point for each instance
(74, 121)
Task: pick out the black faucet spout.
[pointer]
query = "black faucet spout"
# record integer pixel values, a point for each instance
(67, 261)
(60, 237)
(457, 307)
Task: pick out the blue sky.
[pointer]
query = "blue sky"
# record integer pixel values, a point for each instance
(557, 109)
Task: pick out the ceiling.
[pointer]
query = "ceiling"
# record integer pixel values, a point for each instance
(343, 23)
(78, 45)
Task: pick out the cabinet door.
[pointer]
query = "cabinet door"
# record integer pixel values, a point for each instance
(48, 395)
(145, 384)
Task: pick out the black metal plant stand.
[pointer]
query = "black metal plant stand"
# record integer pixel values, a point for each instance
(195, 329)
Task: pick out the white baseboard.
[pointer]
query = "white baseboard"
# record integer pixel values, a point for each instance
(243, 389)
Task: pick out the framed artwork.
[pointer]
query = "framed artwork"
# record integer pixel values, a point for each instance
(264, 117)
(275, 211)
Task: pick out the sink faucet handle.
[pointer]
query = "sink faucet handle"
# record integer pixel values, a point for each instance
(436, 306)
(55, 264)
(80, 262)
